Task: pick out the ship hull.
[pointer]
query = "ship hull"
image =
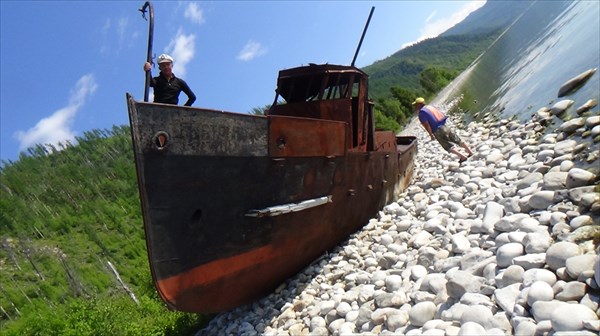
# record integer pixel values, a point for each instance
(230, 211)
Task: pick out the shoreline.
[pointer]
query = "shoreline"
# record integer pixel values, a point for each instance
(501, 244)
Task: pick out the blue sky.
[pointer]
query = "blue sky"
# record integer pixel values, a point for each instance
(66, 65)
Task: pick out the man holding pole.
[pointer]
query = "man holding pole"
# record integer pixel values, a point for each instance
(166, 86)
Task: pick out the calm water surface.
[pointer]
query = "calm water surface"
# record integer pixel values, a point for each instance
(549, 44)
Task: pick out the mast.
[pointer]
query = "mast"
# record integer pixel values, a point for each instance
(148, 6)
(363, 36)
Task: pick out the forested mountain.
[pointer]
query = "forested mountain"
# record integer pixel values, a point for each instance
(72, 250)
(494, 15)
(423, 69)
(452, 51)
(404, 68)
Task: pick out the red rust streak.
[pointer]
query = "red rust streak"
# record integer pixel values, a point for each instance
(213, 271)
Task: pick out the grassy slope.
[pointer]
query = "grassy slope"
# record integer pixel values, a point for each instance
(63, 216)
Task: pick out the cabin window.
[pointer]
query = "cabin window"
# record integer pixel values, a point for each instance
(338, 86)
(319, 87)
(355, 89)
(300, 89)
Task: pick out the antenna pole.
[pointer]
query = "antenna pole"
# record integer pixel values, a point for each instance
(363, 36)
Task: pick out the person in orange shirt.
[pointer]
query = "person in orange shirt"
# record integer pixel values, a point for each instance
(434, 123)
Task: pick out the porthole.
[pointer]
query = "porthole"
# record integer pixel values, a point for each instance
(161, 140)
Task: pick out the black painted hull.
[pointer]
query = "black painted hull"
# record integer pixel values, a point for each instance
(214, 235)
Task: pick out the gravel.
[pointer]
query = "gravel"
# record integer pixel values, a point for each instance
(501, 244)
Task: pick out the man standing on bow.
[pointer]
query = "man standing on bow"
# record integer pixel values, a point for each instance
(166, 86)
(434, 123)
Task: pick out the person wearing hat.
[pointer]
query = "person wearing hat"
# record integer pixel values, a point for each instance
(434, 122)
(166, 86)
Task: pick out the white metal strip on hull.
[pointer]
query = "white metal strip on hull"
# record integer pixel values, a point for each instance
(290, 207)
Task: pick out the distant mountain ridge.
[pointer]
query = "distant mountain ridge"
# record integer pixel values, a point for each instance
(454, 50)
(495, 14)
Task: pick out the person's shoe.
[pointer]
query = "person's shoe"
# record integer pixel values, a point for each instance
(462, 159)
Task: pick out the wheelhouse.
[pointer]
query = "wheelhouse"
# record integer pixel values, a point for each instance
(328, 92)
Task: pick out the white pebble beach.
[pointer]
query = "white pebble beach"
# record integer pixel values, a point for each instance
(505, 243)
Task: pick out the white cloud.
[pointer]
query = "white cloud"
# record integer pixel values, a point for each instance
(251, 50)
(122, 28)
(433, 28)
(104, 48)
(194, 13)
(106, 27)
(57, 127)
(115, 35)
(182, 48)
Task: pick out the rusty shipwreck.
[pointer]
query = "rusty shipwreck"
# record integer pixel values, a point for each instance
(234, 204)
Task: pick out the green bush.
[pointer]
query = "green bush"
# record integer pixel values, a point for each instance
(107, 316)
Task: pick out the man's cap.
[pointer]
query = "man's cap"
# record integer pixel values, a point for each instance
(419, 101)
(165, 58)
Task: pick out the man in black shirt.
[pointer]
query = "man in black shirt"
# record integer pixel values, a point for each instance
(166, 86)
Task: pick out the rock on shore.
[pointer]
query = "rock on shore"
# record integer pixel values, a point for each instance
(505, 243)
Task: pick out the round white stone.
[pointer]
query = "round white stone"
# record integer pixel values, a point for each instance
(578, 177)
(460, 244)
(507, 252)
(316, 322)
(418, 272)
(580, 221)
(479, 314)
(570, 317)
(393, 282)
(543, 310)
(471, 329)
(579, 264)
(557, 254)
(513, 274)
(536, 242)
(531, 261)
(539, 291)
(421, 313)
(541, 199)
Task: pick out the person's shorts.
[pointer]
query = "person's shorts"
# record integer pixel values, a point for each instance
(447, 137)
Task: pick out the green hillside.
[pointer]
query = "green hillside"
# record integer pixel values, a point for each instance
(72, 250)
(421, 70)
(427, 67)
(403, 69)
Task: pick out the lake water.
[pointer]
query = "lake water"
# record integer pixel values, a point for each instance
(551, 42)
(522, 71)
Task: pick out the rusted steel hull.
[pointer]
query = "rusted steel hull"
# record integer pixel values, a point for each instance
(234, 204)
